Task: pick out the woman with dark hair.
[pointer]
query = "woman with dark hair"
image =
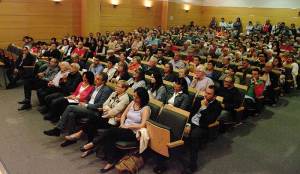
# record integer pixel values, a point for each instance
(133, 118)
(100, 49)
(179, 98)
(157, 89)
(169, 74)
(64, 47)
(138, 79)
(58, 104)
(122, 73)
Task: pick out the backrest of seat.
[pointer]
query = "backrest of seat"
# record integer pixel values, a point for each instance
(175, 119)
(155, 106)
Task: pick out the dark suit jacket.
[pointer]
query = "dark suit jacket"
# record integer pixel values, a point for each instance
(28, 61)
(55, 54)
(210, 114)
(153, 70)
(181, 101)
(71, 84)
(100, 98)
(274, 80)
(171, 77)
(232, 98)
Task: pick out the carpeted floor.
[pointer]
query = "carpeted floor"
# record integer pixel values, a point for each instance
(266, 145)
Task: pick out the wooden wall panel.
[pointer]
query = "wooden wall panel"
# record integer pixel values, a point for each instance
(41, 19)
(100, 15)
(203, 14)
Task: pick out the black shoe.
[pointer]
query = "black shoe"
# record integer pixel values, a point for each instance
(24, 102)
(48, 117)
(53, 132)
(11, 86)
(25, 107)
(106, 170)
(43, 110)
(54, 120)
(68, 142)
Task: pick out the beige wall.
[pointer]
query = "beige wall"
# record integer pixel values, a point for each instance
(203, 14)
(100, 15)
(40, 19)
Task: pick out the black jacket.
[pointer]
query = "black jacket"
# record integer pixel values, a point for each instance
(29, 60)
(152, 70)
(71, 84)
(171, 77)
(210, 114)
(232, 98)
(274, 80)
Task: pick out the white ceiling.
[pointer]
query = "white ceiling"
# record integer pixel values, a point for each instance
(245, 3)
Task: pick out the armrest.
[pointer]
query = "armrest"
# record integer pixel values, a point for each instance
(175, 144)
(159, 138)
(28, 67)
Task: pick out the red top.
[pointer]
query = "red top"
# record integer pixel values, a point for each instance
(85, 94)
(79, 52)
(133, 66)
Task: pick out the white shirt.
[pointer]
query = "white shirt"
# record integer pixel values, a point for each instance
(97, 89)
(58, 76)
(172, 99)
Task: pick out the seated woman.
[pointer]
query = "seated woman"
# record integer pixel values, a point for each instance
(110, 69)
(183, 73)
(122, 73)
(82, 94)
(112, 108)
(134, 64)
(133, 119)
(138, 79)
(179, 98)
(169, 74)
(157, 89)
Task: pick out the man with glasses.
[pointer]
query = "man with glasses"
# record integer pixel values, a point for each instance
(41, 80)
(232, 100)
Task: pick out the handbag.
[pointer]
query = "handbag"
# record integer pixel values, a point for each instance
(130, 164)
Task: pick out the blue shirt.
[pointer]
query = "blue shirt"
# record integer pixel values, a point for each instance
(96, 70)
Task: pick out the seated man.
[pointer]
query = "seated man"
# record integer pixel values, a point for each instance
(54, 83)
(53, 52)
(96, 66)
(38, 82)
(271, 83)
(232, 99)
(18, 68)
(98, 97)
(67, 85)
(245, 69)
(151, 68)
(201, 82)
(254, 96)
(176, 62)
(208, 113)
